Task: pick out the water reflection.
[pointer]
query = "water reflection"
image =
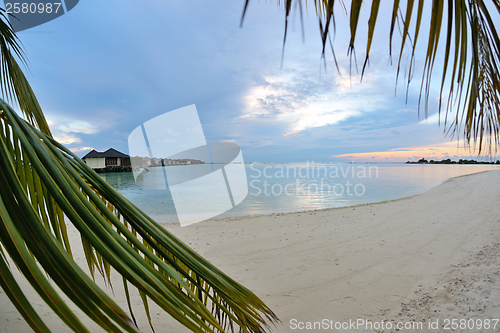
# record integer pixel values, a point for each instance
(291, 187)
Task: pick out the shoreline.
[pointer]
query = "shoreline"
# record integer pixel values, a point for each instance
(239, 217)
(364, 261)
(415, 255)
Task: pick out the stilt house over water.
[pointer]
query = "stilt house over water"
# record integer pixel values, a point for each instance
(109, 161)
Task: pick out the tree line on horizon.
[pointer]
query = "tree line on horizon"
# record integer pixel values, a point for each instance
(450, 161)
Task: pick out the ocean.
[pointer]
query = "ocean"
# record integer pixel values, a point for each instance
(294, 187)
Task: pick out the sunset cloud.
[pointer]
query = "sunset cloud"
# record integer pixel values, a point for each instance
(437, 152)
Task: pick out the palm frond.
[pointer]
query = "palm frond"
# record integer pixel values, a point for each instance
(470, 74)
(43, 184)
(39, 173)
(13, 84)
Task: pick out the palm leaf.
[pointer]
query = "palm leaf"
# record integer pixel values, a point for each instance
(43, 183)
(13, 83)
(163, 268)
(470, 71)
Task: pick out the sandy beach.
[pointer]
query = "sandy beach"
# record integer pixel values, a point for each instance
(431, 256)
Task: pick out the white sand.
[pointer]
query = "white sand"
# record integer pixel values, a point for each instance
(434, 255)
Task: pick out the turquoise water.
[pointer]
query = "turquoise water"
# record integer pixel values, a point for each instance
(290, 187)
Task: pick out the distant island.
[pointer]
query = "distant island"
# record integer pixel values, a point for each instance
(449, 161)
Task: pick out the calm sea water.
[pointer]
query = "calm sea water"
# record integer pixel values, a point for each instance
(290, 187)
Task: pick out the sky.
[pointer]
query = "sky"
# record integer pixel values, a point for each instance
(106, 67)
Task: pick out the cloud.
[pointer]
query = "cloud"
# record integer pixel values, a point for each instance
(405, 110)
(432, 120)
(300, 100)
(319, 116)
(440, 118)
(437, 151)
(80, 149)
(109, 77)
(66, 139)
(67, 130)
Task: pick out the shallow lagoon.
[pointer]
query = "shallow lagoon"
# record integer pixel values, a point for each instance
(289, 187)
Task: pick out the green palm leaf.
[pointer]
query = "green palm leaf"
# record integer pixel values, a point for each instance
(163, 268)
(43, 183)
(13, 84)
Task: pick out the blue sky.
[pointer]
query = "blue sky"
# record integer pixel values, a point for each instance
(106, 67)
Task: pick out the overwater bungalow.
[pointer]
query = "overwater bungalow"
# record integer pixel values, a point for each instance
(109, 161)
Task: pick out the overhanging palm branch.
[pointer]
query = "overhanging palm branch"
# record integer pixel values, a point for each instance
(470, 72)
(42, 183)
(13, 84)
